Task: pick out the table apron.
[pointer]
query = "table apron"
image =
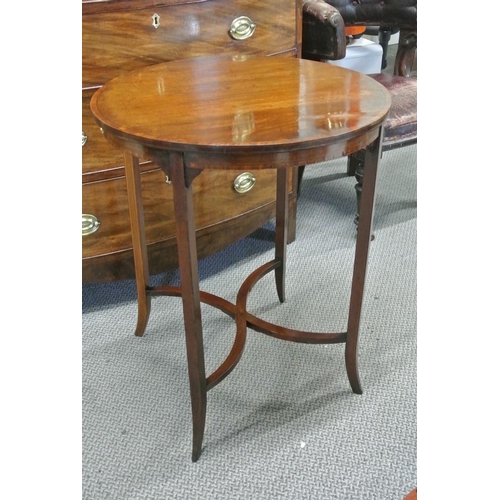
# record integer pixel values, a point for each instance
(244, 158)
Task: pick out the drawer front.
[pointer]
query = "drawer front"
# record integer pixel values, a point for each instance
(117, 42)
(215, 200)
(97, 153)
(100, 160)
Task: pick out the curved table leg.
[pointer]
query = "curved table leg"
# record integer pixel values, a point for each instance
(188, 267)
(133, 180)
(372, 157)
(283, 177)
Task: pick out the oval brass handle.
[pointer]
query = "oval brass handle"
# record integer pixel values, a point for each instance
(84, 138)
(244, 182)
(241, 28)
(90, 224)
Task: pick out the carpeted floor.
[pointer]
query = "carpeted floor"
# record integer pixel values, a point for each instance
(284, 424)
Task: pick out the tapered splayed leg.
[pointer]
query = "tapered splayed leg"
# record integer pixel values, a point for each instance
(144, 308)
(283, 177)
(188, 267)
(133, 180)
(372, 157)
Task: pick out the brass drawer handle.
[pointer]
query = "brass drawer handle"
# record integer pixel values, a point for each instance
(90, 224)
(241, 28)
(84, 138)
(244, 182)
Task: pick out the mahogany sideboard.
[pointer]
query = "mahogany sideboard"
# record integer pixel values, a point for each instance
(122, 35)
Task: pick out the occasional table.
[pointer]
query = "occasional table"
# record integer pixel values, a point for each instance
(187, 115)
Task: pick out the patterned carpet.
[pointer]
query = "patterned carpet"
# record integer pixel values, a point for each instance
(284, 424)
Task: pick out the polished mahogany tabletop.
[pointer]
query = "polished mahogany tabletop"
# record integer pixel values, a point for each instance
(234, 103)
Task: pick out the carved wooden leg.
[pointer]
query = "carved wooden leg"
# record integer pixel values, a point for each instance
(355, 166)
(353, 162)
(360, 262)
(359, 191)
(133, 180)
(292, 206)
(360, 169)
(283, 176)
(188, 267)
(384, 36)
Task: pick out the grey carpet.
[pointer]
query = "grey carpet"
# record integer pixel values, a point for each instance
(284, 424)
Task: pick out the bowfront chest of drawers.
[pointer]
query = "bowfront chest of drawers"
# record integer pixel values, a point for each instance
(121, 35)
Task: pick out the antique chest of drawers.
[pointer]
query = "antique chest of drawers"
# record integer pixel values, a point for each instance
(122, 35)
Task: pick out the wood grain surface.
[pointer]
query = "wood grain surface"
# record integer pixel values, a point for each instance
(195, 105)
(119, 36)
(118, 42)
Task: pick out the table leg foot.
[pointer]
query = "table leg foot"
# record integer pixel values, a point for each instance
(199, 407)
(144, 308)
(352, 373)
(279, 277)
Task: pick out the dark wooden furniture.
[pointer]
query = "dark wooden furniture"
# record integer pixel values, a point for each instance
(182, 115)
(122, 35)
(326, 40)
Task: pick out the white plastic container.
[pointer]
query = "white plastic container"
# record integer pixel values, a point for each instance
(362, 55)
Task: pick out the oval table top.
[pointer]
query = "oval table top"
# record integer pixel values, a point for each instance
(234, 103)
